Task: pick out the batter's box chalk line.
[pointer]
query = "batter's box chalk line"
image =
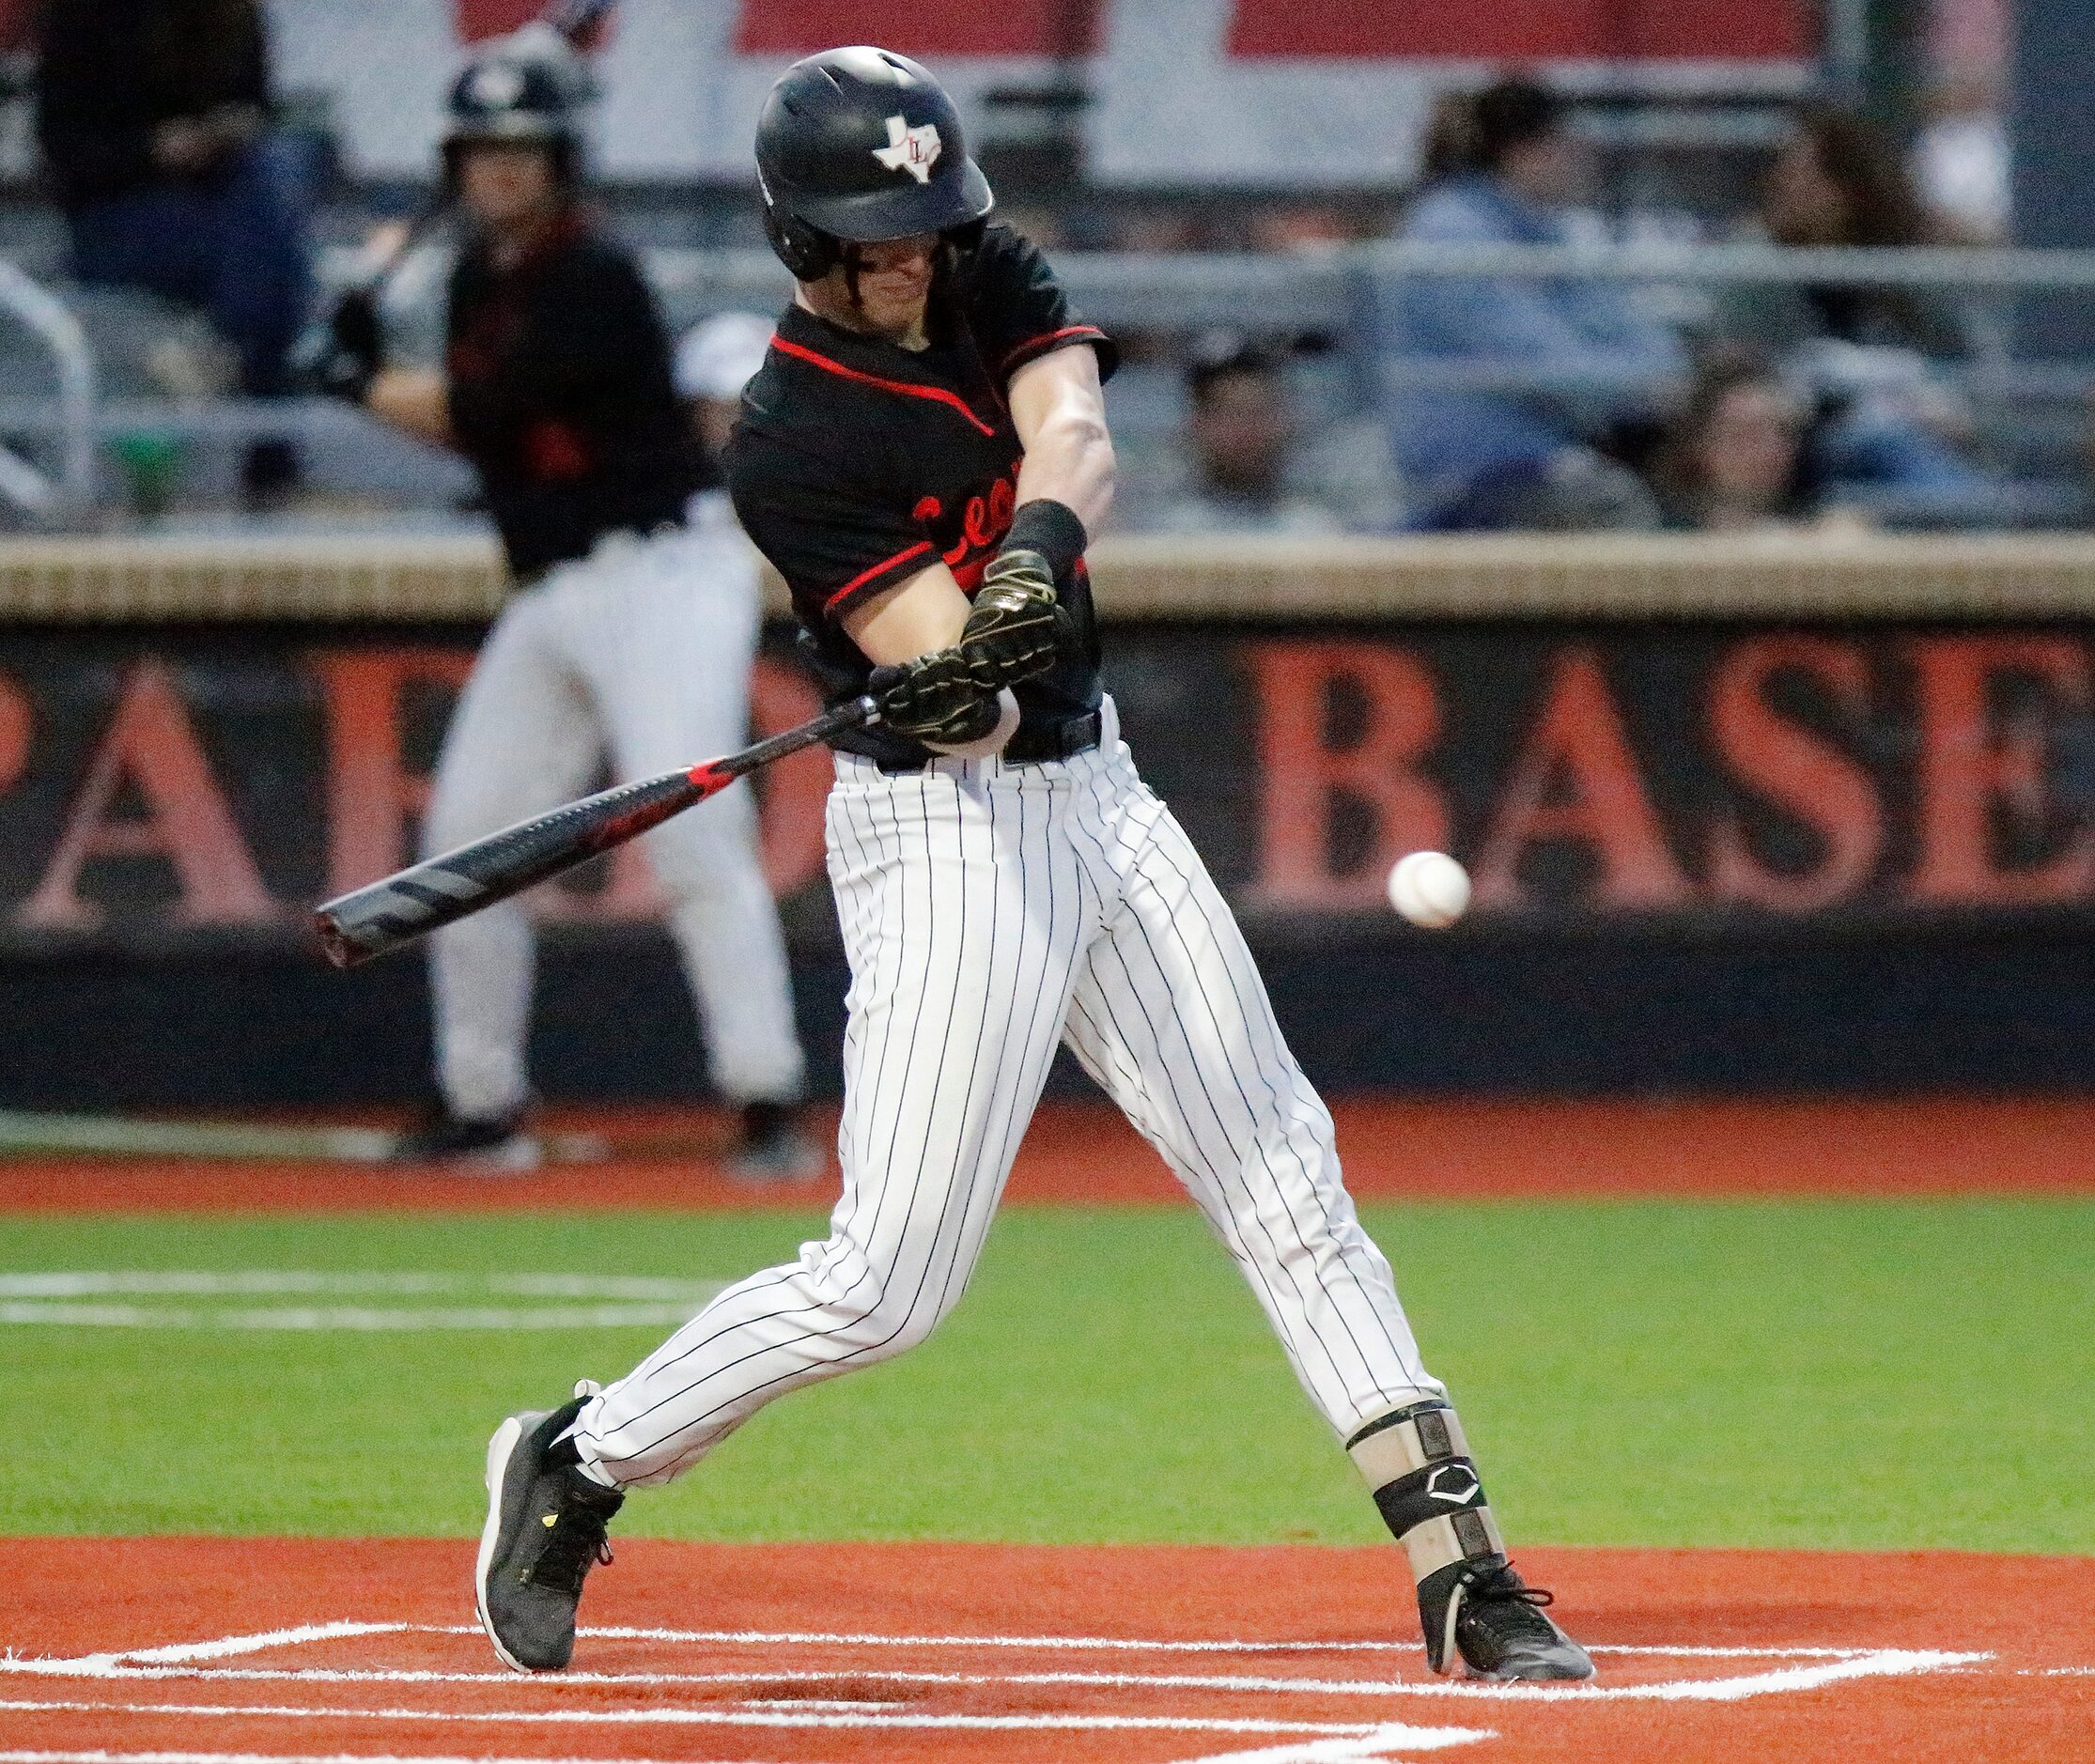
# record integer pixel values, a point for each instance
(1274, 1739)
(1316, 1753)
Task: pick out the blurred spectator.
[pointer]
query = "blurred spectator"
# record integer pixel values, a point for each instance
(1837, 180)
(1893, 427)
(1519, 460)
(155, 121)
(1735, 455)
(1960, 159)
(1247, 468)
(1304, 226)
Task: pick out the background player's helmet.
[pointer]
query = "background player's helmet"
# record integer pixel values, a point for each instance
(856, 146)
(530, 86)
(717, 358)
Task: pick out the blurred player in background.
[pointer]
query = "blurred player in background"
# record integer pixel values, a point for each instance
(635, 622)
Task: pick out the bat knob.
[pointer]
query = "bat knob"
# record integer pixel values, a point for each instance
(336, 943)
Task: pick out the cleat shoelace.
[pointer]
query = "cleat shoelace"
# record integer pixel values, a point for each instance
(1510, 1605)
(575, 1544)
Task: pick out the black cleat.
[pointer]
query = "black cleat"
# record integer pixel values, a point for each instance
(545, 1532)
(493, 1142)
(1484, 1613)
(773, 1149)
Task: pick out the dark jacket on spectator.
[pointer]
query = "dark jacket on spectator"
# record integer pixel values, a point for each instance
(114, 70)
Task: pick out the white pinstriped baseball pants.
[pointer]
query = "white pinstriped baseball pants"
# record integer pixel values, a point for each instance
(989, 912)
(643, 648)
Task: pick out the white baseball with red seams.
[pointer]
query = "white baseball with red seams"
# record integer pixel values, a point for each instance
(1430, 889)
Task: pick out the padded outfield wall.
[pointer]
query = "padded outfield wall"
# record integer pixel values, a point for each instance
(1779, 815)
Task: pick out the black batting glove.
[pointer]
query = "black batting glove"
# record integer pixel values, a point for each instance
(355, 349)
(1016, 628)
(935, 698)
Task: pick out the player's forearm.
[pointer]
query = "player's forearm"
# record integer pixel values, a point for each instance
(921, 616)
(416, 399)
(1070, 461)
(1059, 409)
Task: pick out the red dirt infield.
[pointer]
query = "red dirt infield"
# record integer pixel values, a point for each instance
(227, 1652)
(1079, 1152)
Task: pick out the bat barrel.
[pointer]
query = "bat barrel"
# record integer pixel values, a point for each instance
(385, 915)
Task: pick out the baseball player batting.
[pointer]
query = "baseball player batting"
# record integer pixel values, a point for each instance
(635, 623)
(922, 456)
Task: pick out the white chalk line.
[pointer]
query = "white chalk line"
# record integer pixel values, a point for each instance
(768, 1638)
(1417, 1739)
(79, 1298)
(1368, 1746)
(409, 1283)
(225, 1646)
(1240, 1683)
(146, 1663)
(102, 1755)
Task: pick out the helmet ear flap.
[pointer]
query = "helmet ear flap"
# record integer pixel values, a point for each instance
(807, 252)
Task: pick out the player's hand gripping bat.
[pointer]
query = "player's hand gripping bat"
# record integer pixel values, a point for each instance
(396, 911)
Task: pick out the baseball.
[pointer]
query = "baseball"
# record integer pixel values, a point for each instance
(1430, 889)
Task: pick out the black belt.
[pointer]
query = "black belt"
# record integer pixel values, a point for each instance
(1033, 744)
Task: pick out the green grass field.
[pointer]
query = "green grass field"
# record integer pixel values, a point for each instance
(1827, 1374)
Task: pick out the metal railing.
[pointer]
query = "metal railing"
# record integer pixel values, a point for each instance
(71, 495)
(1333, 292)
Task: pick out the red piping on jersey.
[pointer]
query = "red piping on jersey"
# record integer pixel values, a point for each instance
(937, 395)
(1051, 336)
(866, 575)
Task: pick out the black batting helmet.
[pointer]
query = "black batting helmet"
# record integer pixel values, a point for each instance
(530, 88)
(856, 146)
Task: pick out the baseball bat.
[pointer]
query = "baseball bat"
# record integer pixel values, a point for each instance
(388, 914)
(576, 21)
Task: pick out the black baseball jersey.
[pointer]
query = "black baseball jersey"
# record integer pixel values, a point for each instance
(856, 463)
(562, 397)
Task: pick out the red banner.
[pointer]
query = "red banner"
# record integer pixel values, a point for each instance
(1523, 30)
(479, 19)
(1015, 28)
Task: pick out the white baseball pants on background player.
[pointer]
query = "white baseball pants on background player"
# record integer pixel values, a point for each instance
(989, 912)
(642, 649)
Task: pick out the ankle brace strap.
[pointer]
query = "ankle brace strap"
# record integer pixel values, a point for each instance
(1418, 1464)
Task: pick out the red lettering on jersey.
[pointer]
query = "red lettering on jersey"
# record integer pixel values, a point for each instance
(976, 523)
(554, 452)
(982, 526)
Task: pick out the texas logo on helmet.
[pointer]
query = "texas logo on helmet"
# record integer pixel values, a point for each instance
(912, 150)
